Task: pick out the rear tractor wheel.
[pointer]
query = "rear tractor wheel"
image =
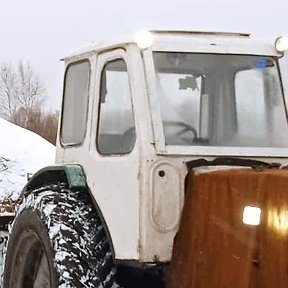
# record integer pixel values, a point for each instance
(58, 240)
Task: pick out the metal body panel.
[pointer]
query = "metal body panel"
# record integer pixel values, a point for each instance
(157, 234)
(181, 40)
(214, 44)
(226, 151)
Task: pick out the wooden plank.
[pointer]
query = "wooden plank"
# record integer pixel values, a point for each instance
(214, 248)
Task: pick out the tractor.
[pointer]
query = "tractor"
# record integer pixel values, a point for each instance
(170, 169)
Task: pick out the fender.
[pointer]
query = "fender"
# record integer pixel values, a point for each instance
(74, 176)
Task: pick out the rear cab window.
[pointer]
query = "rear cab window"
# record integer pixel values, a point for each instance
(75, 103)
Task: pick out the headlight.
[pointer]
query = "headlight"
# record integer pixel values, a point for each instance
(144, 39)
(251, 215)
(281, 44)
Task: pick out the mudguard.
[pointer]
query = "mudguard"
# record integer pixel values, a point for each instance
(72, 174)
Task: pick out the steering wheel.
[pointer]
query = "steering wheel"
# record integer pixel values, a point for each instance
(129, 136)
(184, 128)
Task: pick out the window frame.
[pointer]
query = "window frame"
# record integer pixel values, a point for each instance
(62, 143)
(214, 151)
(106, 60)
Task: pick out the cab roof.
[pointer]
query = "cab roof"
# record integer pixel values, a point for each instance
(172, 38)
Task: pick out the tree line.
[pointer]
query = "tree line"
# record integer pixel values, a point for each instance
(22, 97)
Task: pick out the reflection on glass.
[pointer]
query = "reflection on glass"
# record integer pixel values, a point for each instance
(220, 100)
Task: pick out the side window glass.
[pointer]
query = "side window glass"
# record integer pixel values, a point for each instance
(259, 107)
(116, 128)
(74, 115)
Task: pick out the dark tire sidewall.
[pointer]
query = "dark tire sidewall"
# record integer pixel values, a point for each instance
(28, 221)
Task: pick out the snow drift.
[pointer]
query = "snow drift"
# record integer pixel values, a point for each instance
(21, 152)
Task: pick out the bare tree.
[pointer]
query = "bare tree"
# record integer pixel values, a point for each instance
(21, 91)
(8, 91)
(31, 91)
(21, 99)
(44, 124)
(50, 126)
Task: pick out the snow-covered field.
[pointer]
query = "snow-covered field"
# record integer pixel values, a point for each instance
(21, 152)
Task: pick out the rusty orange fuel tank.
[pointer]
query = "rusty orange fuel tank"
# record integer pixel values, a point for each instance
(234, 231)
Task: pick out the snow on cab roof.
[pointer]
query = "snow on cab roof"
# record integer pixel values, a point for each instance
(161, 36)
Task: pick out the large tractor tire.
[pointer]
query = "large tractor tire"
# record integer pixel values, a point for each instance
(58, 240)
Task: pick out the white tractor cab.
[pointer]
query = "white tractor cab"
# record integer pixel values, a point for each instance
(136, 116)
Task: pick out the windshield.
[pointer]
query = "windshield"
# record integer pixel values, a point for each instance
(220, 100)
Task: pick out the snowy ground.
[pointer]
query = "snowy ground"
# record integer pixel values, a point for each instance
(21, 152)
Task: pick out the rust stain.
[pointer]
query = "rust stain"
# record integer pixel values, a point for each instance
(215, 249)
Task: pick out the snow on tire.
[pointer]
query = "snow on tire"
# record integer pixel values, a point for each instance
(75, 250)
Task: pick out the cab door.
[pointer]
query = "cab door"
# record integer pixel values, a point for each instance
(113, 162)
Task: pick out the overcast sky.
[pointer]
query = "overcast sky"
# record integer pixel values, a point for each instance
(42, 32)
